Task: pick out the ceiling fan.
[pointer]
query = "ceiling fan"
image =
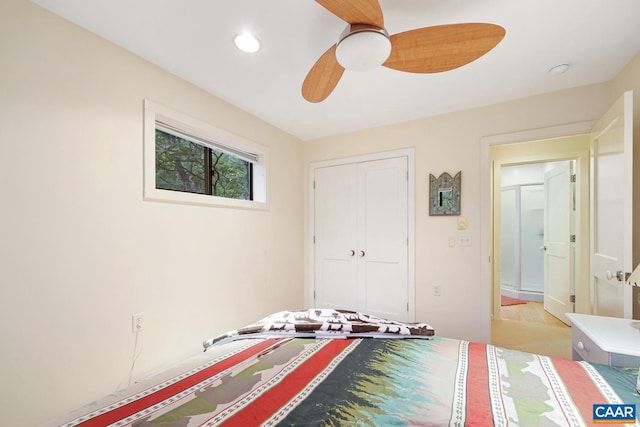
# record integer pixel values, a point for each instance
(366, 44)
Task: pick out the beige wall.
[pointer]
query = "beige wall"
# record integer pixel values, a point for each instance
(80, 251)
(452, 143)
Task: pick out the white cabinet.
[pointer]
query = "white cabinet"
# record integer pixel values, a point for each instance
(361, 237)
(608, 340)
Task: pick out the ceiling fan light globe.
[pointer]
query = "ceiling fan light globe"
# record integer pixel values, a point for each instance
(363, 50)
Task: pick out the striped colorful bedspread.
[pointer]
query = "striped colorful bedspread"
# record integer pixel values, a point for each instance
(373, 382)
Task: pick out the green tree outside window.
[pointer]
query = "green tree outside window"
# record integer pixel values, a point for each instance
(182, 165)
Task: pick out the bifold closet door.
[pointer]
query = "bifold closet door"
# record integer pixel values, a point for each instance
(335, 237)
(361, 232)
(383, 238)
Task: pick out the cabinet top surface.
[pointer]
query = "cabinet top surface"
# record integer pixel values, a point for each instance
(611, 334)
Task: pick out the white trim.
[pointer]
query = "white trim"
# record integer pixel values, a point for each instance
(537, 134)
(486, 184)
(214, 145)
(628, 205)
(153, 113)
(409, 154)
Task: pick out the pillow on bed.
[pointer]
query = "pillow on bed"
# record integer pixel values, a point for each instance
(326, 323)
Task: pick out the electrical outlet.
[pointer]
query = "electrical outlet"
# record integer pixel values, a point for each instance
(137, 323)
(436, 290)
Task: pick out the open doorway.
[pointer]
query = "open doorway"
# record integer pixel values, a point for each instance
(555, 143)
(537, 215)
(574, 149)
(533, 328)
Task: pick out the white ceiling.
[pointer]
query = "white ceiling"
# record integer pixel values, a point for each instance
(194, 40)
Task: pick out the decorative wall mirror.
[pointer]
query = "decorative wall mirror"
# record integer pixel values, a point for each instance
(444, 194)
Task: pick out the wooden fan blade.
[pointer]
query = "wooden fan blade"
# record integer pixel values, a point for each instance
(443, 47)
(356, 11)
(323, 77)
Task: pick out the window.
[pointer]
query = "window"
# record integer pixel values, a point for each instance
(191, 162)
(183, 165)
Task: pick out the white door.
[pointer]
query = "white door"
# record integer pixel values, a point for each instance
(382, 238)
(558, 253)
(335, 237)
(361, 232)
(611, 204)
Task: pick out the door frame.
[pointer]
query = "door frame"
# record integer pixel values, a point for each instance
(490, 251)
(408, 153)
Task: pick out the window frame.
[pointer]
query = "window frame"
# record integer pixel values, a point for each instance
(221, 139)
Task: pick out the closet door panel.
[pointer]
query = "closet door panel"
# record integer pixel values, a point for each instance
(335, 233)
(382, 238)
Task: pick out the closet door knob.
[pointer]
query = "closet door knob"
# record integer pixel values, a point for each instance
(361, 253)
(352, 252)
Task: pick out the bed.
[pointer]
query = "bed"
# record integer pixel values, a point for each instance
(325, 367)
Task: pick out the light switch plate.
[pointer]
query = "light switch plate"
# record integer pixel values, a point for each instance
(464, 240)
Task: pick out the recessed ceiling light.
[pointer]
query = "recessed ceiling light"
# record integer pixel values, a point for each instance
(247, 42)
(558, 69)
